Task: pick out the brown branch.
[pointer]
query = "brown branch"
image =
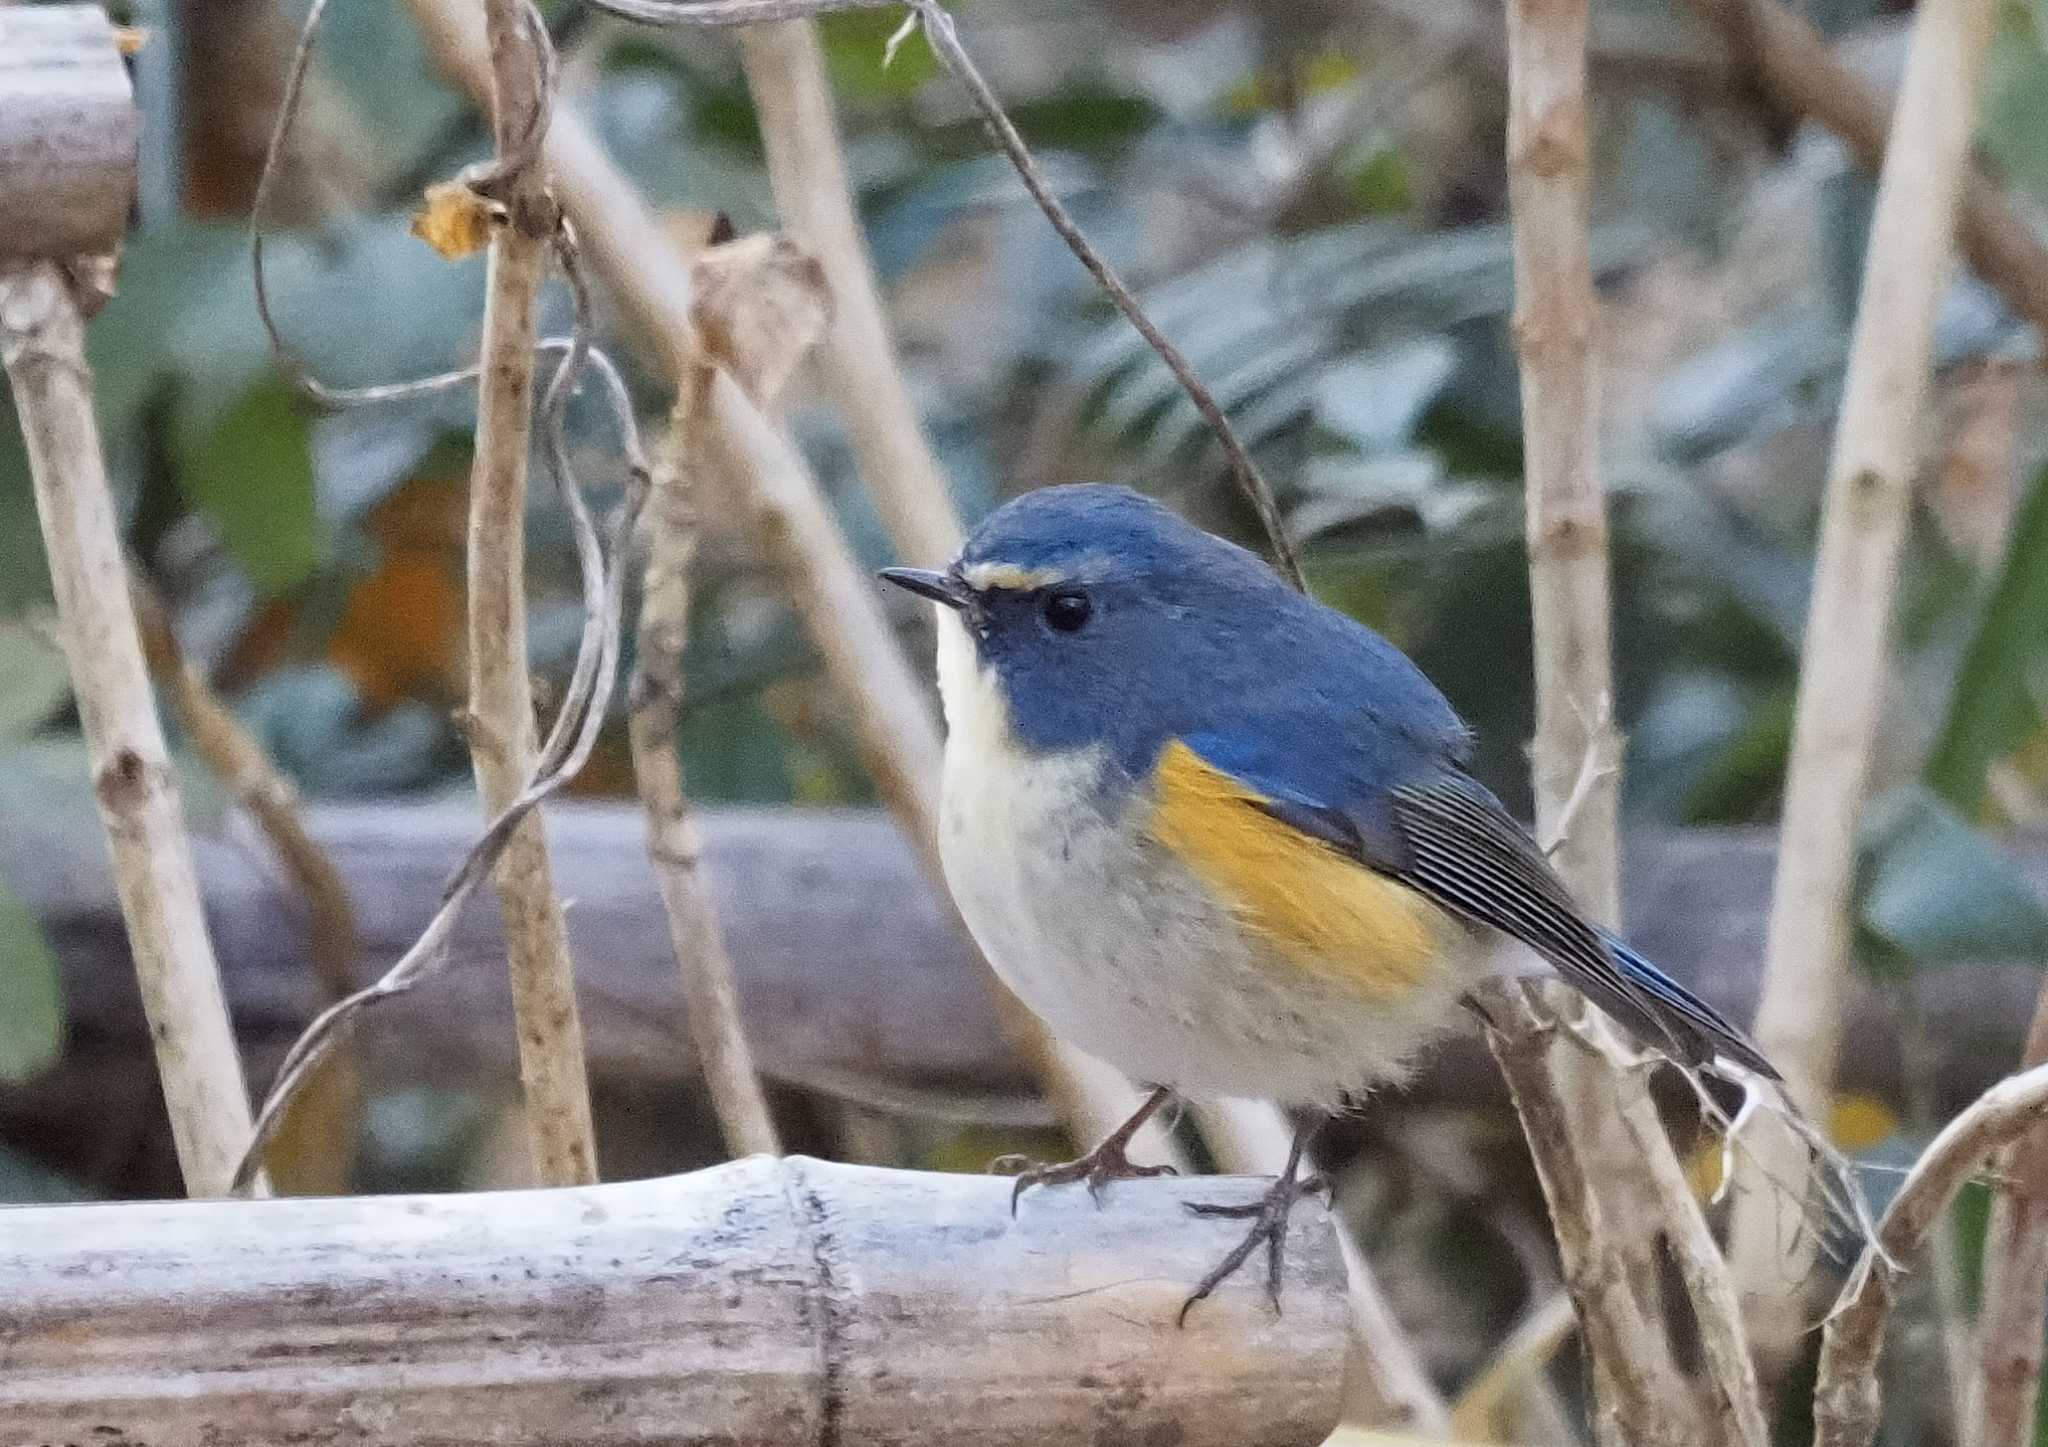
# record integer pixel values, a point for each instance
(1602, 1155)
(1847, 1397)
(499, 718)
(42, 341)
(758, 1304)
(1800, 77)
(1843, 664)
(237, 759)
(761, 305)
(2015, 1278)
(710, 997)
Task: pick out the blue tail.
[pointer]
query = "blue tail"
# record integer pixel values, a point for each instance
(1679, 1014)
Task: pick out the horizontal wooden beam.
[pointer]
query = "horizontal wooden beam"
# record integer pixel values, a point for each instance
(762, 1302)
(851, 976)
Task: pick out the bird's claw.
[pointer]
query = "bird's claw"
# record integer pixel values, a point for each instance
(1106, 1163)
(1268, 1216)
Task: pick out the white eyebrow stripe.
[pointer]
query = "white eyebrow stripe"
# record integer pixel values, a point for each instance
(982, 576)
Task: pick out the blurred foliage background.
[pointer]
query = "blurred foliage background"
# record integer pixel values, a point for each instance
(1312, 198)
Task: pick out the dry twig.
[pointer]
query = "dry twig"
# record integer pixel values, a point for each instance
(2015, 1278)
(499, 718)
(591, 682)
(760, 305)
(237, 759)
(1843, 662)
(1601, 1153)
(42, 341)
(1847, 1397)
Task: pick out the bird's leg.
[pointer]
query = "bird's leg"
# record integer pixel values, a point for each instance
(1106, 1163)
(1268, 1216)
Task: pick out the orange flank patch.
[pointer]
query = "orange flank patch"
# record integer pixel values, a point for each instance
(1327, 912)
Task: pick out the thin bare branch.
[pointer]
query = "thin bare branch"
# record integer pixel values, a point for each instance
(1847, 1397)
(238, 760)
(42, 343)
(1601, 1152)
(710, 997)
(762, 304)
(1843, 665)
(2008, 1370)
(498, 720)
(945, 43)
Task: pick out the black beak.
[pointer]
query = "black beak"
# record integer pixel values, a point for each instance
(939, 587)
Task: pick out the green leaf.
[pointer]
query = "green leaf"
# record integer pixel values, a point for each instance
(1992, 711)
(251, 473)
(33, 681)
(1937, 890)
(31, 999)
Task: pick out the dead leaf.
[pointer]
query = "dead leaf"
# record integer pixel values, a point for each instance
(760, 304)
(454, 220)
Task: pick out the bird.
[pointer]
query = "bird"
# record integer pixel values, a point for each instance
(1226, 838)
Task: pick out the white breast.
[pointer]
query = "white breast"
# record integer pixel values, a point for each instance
(1111, 941)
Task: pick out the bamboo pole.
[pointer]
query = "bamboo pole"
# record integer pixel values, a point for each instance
(499, 719)
(1844, 663)
(760, 1303)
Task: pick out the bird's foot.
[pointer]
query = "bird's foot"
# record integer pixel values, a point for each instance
(1106, 1163)
(1268, 1216)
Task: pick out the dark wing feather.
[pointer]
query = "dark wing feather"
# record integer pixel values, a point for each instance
(1468, 853)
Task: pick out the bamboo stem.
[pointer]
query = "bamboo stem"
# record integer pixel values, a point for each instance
(1843, 665)
(710, 996)
(499, 722)
(761, 1303)
(42, 341)
(1602, 1155)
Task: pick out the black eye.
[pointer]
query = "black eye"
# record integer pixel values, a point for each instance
(1067, 611)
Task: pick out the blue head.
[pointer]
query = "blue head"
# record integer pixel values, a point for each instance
(1108, 621)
